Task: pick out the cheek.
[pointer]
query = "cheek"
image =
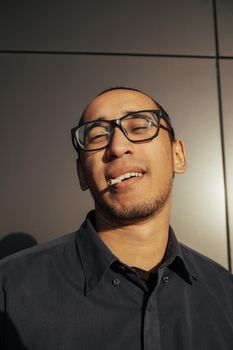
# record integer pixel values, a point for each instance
(162, 162)
(93, 171)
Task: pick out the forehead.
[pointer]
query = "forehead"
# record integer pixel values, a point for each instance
(116, 103)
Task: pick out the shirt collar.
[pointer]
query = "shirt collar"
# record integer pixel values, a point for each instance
(174, 259)
(94, 254)
(96, 258)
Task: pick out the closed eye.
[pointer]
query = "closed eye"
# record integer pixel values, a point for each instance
(97, 137)
(140, 129)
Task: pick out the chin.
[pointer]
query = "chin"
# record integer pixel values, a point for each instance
(136, 209)
(123, 213)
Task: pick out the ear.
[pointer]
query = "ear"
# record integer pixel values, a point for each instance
(81, 176)
(179, 157)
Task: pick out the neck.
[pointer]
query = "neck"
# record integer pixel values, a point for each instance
(140, 244)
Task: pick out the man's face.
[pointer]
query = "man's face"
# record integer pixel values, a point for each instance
(151, 164)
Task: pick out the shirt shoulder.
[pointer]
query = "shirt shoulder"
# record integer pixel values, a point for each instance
(210, 274)
(39, 255)
(199, 258)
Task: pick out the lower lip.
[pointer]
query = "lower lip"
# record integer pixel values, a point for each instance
(126, 183)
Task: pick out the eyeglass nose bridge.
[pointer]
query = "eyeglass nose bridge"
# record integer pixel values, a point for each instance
(116, 123)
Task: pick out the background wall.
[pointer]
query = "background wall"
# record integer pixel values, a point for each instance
(56, 55)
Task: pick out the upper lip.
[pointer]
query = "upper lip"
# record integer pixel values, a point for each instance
(117, 171)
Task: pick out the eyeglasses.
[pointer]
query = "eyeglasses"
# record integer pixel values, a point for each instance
(137, 126)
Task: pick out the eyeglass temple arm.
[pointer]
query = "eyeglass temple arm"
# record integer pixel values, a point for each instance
(169, 129)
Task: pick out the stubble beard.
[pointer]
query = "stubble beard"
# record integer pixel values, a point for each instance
(149, 207)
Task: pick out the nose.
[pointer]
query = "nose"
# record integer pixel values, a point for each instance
(119, 145)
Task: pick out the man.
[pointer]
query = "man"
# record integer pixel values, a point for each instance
(122, 281)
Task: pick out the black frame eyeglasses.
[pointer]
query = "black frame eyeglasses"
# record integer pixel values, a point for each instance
(138, 126)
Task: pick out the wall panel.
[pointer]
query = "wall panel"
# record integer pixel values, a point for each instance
(225, 26)
(150, 26)
(227, 88)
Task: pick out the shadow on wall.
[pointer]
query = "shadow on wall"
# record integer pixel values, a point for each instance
(14, 242)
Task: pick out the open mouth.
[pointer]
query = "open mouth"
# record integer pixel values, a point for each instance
(123, 177)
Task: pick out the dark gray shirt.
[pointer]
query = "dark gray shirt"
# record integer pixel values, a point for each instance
(74, 294)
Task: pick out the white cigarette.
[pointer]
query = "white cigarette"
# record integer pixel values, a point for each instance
(111, 182)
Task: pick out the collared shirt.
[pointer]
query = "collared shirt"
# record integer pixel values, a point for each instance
(74, 294)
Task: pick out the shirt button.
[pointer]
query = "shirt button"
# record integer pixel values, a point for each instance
(165, 279)
(149, 307)
(122, 268)
(116, 281)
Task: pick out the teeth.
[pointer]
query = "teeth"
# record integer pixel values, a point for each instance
(117, 179)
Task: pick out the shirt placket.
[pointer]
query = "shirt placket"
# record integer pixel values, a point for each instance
(151, 325)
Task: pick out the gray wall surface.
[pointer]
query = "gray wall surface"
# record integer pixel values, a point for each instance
(56, 55)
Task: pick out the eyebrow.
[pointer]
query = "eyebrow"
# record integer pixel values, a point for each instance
(105, 118)
(92, 121)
